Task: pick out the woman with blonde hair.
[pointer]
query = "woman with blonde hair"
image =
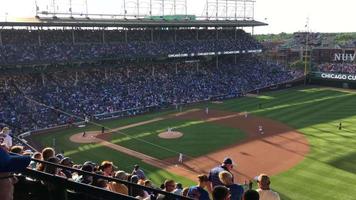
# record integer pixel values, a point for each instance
(236, 190)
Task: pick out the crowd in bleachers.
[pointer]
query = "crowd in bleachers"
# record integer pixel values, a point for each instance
(63, 46)
(343, 68)
(95, 91)
(217, 185)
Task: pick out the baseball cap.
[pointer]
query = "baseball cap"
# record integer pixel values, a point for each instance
(13, 163)
(228, 161)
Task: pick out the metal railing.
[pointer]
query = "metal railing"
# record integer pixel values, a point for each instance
(89, 189)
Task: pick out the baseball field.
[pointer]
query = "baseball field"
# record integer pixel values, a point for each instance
(292, 135)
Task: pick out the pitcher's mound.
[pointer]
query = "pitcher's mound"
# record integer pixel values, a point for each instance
(170, 135)
(90, 137)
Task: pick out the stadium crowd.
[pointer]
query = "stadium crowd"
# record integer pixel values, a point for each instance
(343, 68)
(91, 92)
(217, 185)
(57, 46)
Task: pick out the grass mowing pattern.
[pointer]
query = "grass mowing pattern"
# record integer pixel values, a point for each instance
(199, 138)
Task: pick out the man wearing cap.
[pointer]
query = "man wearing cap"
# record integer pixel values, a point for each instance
(8, 165)
(264, 190)
(227, 165)
(198, 192)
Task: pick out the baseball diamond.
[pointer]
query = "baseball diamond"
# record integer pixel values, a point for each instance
(177, 100)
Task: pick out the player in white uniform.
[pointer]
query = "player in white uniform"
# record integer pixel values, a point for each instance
(260, 129)
(206, 110)
(180, 159)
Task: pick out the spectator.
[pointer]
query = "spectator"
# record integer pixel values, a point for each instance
(236, 190)
(221, 193)
(251, 195)
(8, 165)
(199, 192)
(107, 168)
(169, 186)
(5, 133)
(51, 169)
(179, 189)
(46, 154)
(38, 156)
(137, 171)
(227, 165)
(119, 187)
(17, 149)
(68, 163)
(264, 190)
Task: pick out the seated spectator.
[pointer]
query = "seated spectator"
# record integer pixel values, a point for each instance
(17, 149)
(68, 163)
(179, 189)
(264, 189)
(236, 190)
(221, 193)
(46, 154)
(169, 186)
(51, 169)
(199, 192)
(119, 187)
(107, 168)
(251, 195)
(38, 156)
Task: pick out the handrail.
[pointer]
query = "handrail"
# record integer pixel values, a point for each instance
(66, 183)
(81, 172)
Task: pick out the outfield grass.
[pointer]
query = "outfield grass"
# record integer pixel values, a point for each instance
(328, 171)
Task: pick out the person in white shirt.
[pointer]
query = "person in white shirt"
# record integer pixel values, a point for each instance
(264, 189)
(5, 133)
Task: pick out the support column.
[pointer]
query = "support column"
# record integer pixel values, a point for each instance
(217, 61)
(39, 37)
(197, 34)
(103, 36)
(176, 68)
(126, 35)
(153, 71)
(73, 36)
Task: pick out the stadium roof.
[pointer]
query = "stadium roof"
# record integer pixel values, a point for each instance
(134, 23)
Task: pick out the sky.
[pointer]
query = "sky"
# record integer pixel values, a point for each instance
(281, 15)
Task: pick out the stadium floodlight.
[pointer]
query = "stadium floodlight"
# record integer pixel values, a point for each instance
(229, 9)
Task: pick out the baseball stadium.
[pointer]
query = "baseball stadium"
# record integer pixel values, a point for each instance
(155, 103)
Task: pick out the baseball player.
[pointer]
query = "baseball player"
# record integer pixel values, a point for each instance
(180, 159)
(260, 129)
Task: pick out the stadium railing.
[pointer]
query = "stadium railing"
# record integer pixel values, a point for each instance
(68, 189)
